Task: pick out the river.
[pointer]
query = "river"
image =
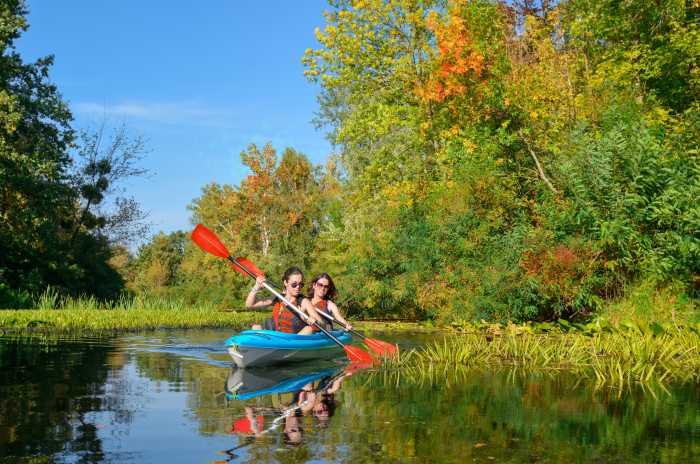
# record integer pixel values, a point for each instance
(174, 396)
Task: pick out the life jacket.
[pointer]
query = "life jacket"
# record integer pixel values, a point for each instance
(286, 320)
(248, 427)
(323, 306)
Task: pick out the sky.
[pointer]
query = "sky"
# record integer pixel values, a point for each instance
(199, 80)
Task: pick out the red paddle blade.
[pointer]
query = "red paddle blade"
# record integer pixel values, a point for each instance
(209, 242)
(250, 266)
(357, 355)
(381, 348)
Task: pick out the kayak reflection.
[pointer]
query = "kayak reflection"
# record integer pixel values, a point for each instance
(283, 398)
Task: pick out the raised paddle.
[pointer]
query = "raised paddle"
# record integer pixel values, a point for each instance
(379, 347)
(209, 242)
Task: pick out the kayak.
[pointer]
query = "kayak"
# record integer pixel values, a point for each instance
(245, 384)
(267, 347)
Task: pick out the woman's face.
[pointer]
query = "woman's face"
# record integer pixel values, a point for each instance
(291, 428)
(294, 285)
(321, 410)
(321, 288)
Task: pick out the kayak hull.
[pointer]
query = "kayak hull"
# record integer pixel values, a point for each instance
(252, 348)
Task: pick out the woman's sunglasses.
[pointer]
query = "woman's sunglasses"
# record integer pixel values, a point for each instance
(320, 285)
(296, 284)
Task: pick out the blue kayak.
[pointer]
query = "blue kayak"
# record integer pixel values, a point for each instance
(267, 347)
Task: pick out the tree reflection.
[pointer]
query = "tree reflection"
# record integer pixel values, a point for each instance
(47, 390)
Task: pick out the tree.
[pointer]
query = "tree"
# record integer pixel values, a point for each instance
(35, 198)
(46, 237)
(102, 165)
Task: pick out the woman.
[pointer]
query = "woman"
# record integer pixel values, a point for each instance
(283, 318)
(320, 299)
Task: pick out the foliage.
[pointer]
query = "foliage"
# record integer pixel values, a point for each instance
(506, 161)
(89, 316)
(47, 236)
(546, 154)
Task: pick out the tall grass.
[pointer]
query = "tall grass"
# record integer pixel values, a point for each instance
(51, 299)
(617, 359)
(55, 313)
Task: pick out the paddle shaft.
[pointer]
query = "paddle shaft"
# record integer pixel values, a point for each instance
(282, 298)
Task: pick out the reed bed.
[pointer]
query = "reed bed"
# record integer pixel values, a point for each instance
(56, 314)
(618, 359)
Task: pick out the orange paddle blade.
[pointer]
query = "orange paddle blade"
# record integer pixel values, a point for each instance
(357, 355)
(250, 266)
(209, 242)
(381, 348)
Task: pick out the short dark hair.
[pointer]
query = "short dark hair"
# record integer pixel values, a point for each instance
(331, 293)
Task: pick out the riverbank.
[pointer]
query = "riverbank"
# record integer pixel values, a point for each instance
(62, 321)
(615, 354)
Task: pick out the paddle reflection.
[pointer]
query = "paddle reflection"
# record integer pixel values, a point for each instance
(280, 402)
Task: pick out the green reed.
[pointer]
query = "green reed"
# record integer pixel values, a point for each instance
(65, 314)
(618, 359)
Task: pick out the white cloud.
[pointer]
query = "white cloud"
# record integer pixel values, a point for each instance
(168, 112)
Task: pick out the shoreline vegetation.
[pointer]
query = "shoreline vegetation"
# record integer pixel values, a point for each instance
(612, 353)
(617, 356)
(65, 315)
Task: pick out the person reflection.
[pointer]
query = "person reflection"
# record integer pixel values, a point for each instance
(315, 399)
(321, 400)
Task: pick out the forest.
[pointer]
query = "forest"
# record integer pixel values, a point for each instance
(492, 160)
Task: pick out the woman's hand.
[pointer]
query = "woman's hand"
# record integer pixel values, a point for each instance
(259, 281)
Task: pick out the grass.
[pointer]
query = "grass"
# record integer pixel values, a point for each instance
(618, 357)
(89, 315)
(644, 302)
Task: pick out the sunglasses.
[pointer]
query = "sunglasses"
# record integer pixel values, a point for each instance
(296, 284)
(320, 285)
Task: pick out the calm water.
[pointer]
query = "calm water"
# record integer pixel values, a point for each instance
(174, 397)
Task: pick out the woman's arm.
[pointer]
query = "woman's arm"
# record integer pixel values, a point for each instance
(250, 302)
(336, 314)
(308, 309)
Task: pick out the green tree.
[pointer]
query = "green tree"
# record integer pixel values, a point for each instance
(43, 240)
(35, 197)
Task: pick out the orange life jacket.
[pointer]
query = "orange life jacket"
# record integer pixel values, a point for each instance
(286, 320)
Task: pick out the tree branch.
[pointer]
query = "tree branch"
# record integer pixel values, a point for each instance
(539, 166)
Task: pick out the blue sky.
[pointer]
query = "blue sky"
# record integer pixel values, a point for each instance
(199, 80)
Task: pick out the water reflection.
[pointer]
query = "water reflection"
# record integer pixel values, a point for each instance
(48, 391)
(173, 397)
(278, 398)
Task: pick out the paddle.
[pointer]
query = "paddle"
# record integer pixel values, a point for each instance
(377, 346)
(209, 242)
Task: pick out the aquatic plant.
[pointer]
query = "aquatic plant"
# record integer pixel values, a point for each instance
(617, 358)
(97, 319)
